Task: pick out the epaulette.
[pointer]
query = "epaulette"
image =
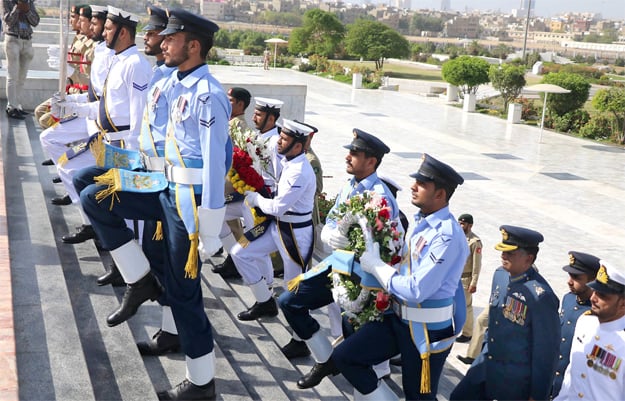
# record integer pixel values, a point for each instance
(588, 312)
(447, 227)
(381, 189)
(203, 87)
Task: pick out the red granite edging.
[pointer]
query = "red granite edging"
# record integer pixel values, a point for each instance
(8, 362)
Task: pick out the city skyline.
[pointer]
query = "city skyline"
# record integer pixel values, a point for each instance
(614, 9)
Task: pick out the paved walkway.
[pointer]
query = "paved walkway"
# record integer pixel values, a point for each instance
(569, 189)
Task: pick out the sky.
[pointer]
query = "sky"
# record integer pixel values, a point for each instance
(614, 9)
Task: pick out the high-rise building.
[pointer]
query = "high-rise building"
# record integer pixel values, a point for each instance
(445, 5)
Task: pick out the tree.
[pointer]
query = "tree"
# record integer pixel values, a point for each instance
(560, 104)
(613, 100)
(321, 33)
(375, 41)
(422, 22)
(509, 80)
(466, 72)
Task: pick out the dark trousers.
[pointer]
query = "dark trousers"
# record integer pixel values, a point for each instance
(468, 390)
(376, 342)
(152, 248)
(183, 295)
(296, 306)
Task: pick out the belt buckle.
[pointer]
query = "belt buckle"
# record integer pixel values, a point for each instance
(169, 172)
(144, 159)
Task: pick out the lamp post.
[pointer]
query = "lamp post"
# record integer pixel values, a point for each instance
(527, 26)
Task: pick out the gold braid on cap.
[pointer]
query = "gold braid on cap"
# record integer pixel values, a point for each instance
(602, 275)
(571, 259)
(504, 234)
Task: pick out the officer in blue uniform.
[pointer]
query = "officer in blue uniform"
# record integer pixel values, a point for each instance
(426, 292)
(189, 203)
(365, 155)
(582, 269)
(520, 350)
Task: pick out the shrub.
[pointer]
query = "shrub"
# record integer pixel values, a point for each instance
(561, 104)
(529, 110)
(570, 122)
(599, 127)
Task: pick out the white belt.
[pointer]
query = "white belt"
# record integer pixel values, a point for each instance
(182, 175)
(291, 218)
(152, 163)
(116, 136)
(424, 315)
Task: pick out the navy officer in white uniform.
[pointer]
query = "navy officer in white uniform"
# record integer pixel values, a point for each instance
(289, 228)
(596, 370)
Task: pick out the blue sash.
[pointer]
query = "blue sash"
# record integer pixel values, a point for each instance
(342, 262)
(115, 157)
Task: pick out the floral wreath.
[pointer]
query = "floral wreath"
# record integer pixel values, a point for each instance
(250, 157)
(360, 217)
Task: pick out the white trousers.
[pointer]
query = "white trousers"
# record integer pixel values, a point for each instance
(248, 260)
(54, 141)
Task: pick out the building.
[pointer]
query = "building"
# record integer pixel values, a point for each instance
(462, 27)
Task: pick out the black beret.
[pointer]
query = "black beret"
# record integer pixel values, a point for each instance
(85, 11)
(240, 94)
(466, 218)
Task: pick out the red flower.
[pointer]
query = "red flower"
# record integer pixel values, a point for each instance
(395, 259)
(382, 301)
(384, 214)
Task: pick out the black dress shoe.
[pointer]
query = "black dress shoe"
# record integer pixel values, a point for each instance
(47, 162)
(112, 276)
(318, 372)
(84, 233)
(295, 349)
(15, 114)
(465, 359)
(463, 339)
(189, 391)
(62, 200)
(23, 112)
(56, 180)
(269, 308)
(161, 343)
(227, 269)
(136, 294)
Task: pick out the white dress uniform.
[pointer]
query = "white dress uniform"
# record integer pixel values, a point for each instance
(597, 354)
(270, 174)
(295, 195)
(54, 140)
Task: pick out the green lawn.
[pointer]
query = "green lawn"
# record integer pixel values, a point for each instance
(397, 70)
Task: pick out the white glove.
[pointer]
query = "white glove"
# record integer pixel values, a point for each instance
(334, 237)
(251, 198)
(371, 262)
(210, 222)
(57, 97)
(64, 109)
(78, 98)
